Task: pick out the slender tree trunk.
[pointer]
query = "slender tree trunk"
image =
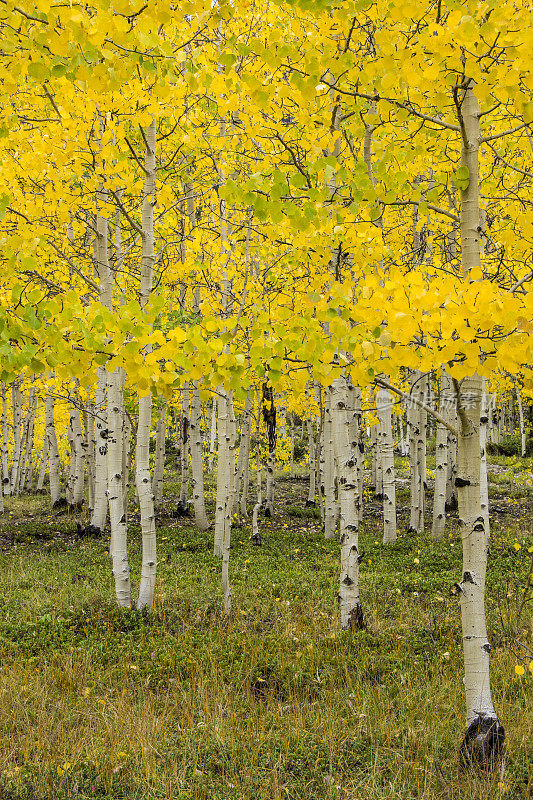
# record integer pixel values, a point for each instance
(90, 449)
(245, 447)
(269, 416)
(484, 736)
(386, 447)
(44, 466)
(223, 470)
(484, 478)
(143, 481)
(6, 486)
(184, 449)
(197, 468)
(17, 437)
(115, 486)
(346, 461)
(522, 428)
(213, 434)
(230, 438)
(441, 458)
(99, 512)
(159, 461)
(330, 500)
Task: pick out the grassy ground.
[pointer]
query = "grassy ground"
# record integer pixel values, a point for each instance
(274, 702)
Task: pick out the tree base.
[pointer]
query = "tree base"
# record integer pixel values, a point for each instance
(89, 531)
(451, 505)
(356, 620)
(60, 503)
(182, 510)
(483, 742)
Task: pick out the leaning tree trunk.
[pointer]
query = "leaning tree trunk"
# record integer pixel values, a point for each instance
(484, 736)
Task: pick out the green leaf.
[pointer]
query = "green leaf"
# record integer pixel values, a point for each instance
(462, 178)
(38, 70)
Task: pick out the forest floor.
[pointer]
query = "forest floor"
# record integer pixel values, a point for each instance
(273, 702)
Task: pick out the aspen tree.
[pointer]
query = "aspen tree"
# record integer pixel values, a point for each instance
(441, 459)
(346, 460)
(268, 410)
(99, 510)
(142, 458)
(159, 460)
(330, 499)
(53, 452)
(183, 504)
(197, 470)
(484, 735)
(5, 473)
(244, 455)
(17, 406)
(522, 427)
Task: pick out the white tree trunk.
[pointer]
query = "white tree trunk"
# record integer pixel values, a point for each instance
(142, 459)
(386, 447)
(522, 427)
(484, 735)
(228, 511)
(159, 460)
(99, 512)
(197, 467)
(90, 442)
(184, 450)
(269, 416)
(115, 486)
(223, 471)
(484, 478)
(441, 459)
(312, 462)
(44, 466)
(330, 501)
(17, 403)
(6, 486)
(346, 460)
(213, 434)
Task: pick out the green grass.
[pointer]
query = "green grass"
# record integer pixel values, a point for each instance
(274, 702)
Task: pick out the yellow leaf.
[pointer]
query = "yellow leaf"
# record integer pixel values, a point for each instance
(519, 669)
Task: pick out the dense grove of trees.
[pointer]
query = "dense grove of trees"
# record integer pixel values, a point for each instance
(249, 223)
